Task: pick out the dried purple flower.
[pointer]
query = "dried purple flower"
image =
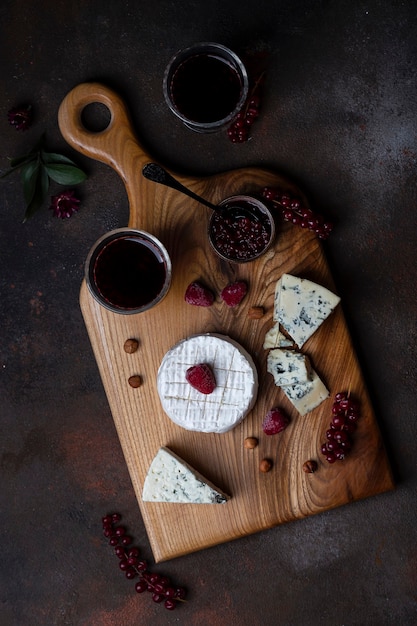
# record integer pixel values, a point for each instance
(64, 204)
(21, 117)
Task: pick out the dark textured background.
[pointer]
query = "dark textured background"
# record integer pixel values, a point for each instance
(339, 117)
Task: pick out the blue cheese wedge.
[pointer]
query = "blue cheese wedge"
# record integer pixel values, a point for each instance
(170, 479)
(274, 338)
(236, 384)
(307, 396)
(288, 367)
(301, 306)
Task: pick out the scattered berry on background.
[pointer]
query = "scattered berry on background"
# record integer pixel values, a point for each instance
(345, 414)
(64, 204)
(238, 131)
(201, 377)
(275, 421)
(136, 568)
(21, 117)
(293, 210)
(233, 293)
(198, 294)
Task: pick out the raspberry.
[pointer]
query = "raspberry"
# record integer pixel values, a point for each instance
(201, 377)
(275, 421)
(234, 293)
(198, 295)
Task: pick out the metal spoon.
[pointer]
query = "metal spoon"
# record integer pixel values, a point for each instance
(156, 173)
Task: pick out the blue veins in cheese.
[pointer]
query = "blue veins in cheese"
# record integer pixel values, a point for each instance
(288, 367)
(307, 396)
(292, 372)
(170, 479)
(301, 306)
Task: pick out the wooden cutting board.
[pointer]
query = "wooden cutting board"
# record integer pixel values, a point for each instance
(259, 501)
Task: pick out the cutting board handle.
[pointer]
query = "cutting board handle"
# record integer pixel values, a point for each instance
(116, 145)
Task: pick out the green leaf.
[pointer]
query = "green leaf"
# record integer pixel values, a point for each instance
(17, 164)
(19, 161)
(65, 174)
(54, 157)
(39, 195)
(29, 175)
(7, 173)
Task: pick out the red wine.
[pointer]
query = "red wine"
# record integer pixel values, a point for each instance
(129, 272)
(205, 88)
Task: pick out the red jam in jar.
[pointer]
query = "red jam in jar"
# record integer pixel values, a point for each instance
(243, 230)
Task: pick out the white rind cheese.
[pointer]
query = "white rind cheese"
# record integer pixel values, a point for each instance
(307, 396)
(301, 306)
(274, 338)
(170, 479)
(288, 367)
(236, 384)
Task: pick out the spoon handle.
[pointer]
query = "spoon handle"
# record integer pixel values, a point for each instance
(156, 173)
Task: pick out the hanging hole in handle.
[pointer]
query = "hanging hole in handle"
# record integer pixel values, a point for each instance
(95, 117)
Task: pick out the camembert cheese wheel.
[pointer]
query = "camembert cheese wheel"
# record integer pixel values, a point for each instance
(236, 384)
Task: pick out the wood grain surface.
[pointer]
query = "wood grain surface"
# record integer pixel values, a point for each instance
(259, 501)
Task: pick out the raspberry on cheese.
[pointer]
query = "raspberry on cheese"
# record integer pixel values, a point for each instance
(236, 384)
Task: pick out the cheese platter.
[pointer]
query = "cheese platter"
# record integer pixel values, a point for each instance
(254, 499)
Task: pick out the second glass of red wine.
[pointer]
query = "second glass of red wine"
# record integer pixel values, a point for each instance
(205, 86)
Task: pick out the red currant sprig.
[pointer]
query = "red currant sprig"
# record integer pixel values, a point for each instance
(345, 414)
(133, 566)
(238, 132)
(292, 210)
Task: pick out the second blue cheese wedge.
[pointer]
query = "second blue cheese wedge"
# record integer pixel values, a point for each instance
(170, 479)
(288, 367)
(301, 306)
(307, 396)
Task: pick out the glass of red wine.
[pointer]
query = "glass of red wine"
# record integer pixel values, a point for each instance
(205, 86)
(128, 271)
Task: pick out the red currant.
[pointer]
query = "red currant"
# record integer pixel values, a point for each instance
(292, 210)
(156, 597)
(141, 586)
(238, 132)
(170, 605)
(133, 567)
(345, 413)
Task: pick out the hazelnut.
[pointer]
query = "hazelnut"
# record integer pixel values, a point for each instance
(256, 312)
(131, 345)
(135, 381)
(310, 466)
(250, 443)
(265, 465)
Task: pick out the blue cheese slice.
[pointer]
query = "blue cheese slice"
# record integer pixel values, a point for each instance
(236, 384)
(288, 367)
(274, 338)
(170, 479)
(307, 396)
(301, 306)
